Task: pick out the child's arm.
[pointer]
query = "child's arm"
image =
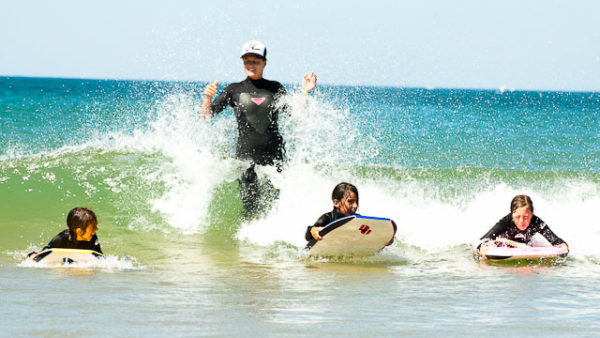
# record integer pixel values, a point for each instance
(96, 242)
(312, 231)
(308, 234)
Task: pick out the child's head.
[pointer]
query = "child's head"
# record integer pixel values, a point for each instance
(83, 223)
(345, 198)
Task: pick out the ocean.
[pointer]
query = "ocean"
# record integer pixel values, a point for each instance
(184, 260)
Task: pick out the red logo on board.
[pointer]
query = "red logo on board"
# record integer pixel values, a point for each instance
(364, 229)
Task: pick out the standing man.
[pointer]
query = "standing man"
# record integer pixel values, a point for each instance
(255, 104)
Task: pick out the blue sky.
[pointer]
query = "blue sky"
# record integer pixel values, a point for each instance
(548, 45)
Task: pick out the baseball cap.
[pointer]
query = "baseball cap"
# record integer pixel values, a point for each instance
(254, 47)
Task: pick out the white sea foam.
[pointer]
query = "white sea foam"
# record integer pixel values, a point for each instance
(194, 170)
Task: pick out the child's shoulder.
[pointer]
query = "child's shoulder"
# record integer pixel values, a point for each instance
(328, 217)
(64, 234)
(60, 240)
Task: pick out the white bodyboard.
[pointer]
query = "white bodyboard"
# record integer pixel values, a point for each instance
(507, 254)
(353, 235)
(502, 249)
(57, 256)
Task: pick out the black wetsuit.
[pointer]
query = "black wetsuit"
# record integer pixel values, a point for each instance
(256, 110)
(325, 219)
(65, 240)
(507, 229)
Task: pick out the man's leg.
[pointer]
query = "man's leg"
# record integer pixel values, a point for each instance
(249, 190)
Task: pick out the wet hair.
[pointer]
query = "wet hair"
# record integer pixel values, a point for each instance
(520, 201)
(81, 218)
(342, 190)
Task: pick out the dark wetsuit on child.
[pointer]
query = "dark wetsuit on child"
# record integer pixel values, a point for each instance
(66, 240)
(507, 229)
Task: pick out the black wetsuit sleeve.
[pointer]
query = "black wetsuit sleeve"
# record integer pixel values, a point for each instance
(549, 234)
(281, 92)
(500, 227)
(325, 219)
(222, 101)
(95, 244)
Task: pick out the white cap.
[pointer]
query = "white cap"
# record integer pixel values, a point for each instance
(254, 47)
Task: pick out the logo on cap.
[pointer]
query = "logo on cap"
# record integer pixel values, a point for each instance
(254, 47)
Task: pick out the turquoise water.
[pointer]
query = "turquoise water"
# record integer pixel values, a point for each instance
(183, 260)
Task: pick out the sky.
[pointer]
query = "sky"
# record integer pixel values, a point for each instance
(512, 44)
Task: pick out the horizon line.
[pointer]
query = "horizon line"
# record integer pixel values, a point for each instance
(501, 89)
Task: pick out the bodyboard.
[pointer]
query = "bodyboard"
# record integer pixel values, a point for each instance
(56, 256)
(507, 250)
(353, 235)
